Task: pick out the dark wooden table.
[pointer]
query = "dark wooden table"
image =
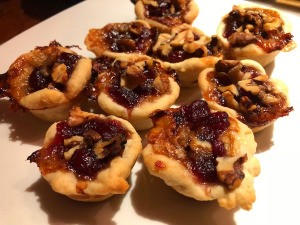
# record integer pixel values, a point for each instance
(19, 15)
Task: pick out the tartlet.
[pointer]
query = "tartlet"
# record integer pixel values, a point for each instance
(252, 31)
(127, 37)
(203, 154)
(89, 156)
(47, 81)
(188, 51)
(131, 86)
(166, 14)
(245, 91)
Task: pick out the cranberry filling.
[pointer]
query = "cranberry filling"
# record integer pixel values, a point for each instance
(84, 162)
(178, 126)
(109, 80)
(3, 85)
(168, 12)
(41, 76)
(38, 80)
(69, 60)
(271, 40)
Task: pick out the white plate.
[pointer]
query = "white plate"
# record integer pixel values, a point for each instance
(27, 199)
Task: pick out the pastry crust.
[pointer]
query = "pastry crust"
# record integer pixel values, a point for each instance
(166, 156)
(246, 93)
(109, 180)
(188, 51)
(48, 80)
(262, 33)
(168, 15)
(142, 85)
(131, 37)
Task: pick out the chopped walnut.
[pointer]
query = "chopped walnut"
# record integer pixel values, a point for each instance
(59, 74)
(250, 86)
(185, 36)
(73, 143)
(99, 148)
(231, 88)
(229, 170)
(230, 100)
(151, 2)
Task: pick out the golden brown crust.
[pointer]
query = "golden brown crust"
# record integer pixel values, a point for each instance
(271, 21)
(109, 181)
(239, 142)
(187, 14)
(274, 99)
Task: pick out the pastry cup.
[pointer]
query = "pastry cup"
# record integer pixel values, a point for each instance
(180, 152)
(130, 37)
(166, 16)
(89, 156)
(188, 51)
(245, 91)
(261, 33)
(134, 86)
(48, 80)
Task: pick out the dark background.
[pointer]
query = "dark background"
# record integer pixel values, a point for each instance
(19, 15)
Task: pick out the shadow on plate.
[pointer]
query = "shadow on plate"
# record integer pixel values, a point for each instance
(154, 200)
(264, 139)
(62, 210)
(23, 126)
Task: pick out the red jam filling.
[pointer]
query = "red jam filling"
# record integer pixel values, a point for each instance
(111, 72)
(41, 76)
(3, 85)
(174, 129)
(269, 41)
(168, 12)
(84, 162)
(132, 37)
(252, 110)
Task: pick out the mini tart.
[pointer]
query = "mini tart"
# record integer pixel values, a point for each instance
(244, 90)
(132, 86)
(132, 37)
(255, 32)
(166, 14)
(48, 80)
(89, 156)
(188, 51)
(203, 154)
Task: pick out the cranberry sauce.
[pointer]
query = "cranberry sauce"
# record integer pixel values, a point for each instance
(39, 79)
(131, 37)
(3, 85)
(195, 120)
(168, 12)
(84, 162)
(141, 82)
(41, 76)
(269, 40)
(70, 60)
